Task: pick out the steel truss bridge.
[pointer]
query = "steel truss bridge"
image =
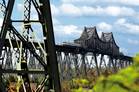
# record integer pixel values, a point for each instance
(90, 52)
(27, 59)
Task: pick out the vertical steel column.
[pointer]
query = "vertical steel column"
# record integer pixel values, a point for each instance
(8, 62)
(76, 64)
(91, 62)
(4, 29)
(118, 64)
(27, 7)
(6, 23)
(102, 61)
(70, 74)
(101, 58)
(83, 66)
(87, 64)
(60, 64)
(98, 72)
(112, 62)
(48, 32)
(115, 64)
(65, 65)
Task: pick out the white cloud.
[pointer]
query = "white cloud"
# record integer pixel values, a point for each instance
(124, 2)
(92, 11)
(66, 33)
(20, 7)
(121, 21)
(67, 29)
(129, 27)
(72, 10)
(70, 29)
(54, 9)
(104, 26)
(79, 1)
(120, 11)
(132, 28)
(133, 42)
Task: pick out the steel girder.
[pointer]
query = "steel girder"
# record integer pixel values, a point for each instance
(44, 13)
(73, 65)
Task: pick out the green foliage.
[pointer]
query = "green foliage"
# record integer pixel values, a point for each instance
(80, 89)
(126, 80)
(79, 82)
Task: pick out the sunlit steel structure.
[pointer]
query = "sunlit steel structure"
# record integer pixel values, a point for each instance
(25, 57)
(91, 52)
(25, 49)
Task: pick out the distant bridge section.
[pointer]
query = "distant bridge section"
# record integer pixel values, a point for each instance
(91, 53)
(86, 54)
(89, 39)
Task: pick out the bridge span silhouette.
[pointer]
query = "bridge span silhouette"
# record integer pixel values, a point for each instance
(90, 51)
(27, 60)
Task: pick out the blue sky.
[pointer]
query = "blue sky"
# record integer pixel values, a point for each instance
(71, 16)
(118, 16)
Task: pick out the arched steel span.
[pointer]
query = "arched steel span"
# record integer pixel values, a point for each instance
(89, 44)
(82, 59)
(76, 59)
(72, 59)
(89, 39)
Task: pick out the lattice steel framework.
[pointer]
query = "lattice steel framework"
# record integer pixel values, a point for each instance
(25, 50)
(91, 54)
(75, 62)
(19, 48)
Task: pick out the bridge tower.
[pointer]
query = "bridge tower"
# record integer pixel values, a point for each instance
(21, 27)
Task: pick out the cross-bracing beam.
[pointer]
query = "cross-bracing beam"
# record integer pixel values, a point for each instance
(44, 13)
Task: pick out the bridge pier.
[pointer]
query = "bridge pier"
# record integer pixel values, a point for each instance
(102, 63)
(72, 64)
(83, 64)
(96, 64)
(76, 65)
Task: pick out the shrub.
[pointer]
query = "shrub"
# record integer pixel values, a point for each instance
(126, 80)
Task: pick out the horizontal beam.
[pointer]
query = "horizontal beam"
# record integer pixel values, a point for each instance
(69, 49)
(24, 21)
(23, 71)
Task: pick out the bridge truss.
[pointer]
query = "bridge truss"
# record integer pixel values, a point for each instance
(90, 54)
(21, 26)
(76, 61)
(22, 54)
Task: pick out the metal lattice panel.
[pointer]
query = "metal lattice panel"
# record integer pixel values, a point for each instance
(23, 57)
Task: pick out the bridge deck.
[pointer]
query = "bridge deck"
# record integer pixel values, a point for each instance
(70, 49)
